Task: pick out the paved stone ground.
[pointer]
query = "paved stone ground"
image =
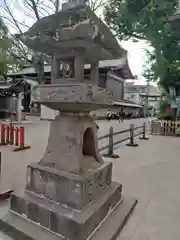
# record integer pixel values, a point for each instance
(149, 173)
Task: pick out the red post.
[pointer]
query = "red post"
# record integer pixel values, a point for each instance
(20, 140)
(17, 136)
(11, 134)
(7, 133)
(3, 134)
(0, 163)
(21, 137)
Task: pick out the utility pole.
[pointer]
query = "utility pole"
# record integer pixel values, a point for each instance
(146, 104)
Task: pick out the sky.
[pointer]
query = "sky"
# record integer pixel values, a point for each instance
(137, 58)
(136, 55)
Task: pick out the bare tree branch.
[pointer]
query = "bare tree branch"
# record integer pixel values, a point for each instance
(33, 6)
(45, 10)
(30, 16)
(57, 3)
(48, 7)
(11, 23)
(97, 4)
(101, 4)
(7, 9)
(17, 57)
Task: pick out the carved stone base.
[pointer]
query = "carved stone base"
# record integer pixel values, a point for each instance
(76, 225)
(72, 224)
(75, 191)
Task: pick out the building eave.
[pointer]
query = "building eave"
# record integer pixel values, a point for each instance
(150, 95)
(126, 104)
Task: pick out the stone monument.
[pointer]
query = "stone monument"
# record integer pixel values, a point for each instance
(69, 193)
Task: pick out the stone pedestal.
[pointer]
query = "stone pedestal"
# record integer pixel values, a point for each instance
(69, 192)
(72, 145)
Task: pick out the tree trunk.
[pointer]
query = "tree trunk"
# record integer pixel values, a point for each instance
(159, 63)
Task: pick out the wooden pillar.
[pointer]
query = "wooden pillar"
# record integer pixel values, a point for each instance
(18, 107)
(55, 69)
(122, 90)
(79, 65)
(95, 73)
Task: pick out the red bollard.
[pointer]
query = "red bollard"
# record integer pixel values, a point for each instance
(7, 134)
(11, 134)
(22, 138)
(0, 163)
(16, 137)
(3, 129)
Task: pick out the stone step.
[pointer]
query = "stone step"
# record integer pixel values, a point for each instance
(19, 228)
(79, 215)
(110, 229)
(75, 225)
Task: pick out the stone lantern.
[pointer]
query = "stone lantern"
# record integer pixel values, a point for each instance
(69, 193)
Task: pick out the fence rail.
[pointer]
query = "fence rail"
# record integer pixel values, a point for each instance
(132, 135)
(165, 128)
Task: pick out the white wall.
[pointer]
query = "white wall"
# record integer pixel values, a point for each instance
(48, 113)
(135, 97)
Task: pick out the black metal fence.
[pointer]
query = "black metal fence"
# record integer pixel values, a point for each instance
(133, 133)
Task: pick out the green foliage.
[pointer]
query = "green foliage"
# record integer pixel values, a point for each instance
(149, 20)
(163, 106)
(163, 110)
(6, 59)
(166, 116)
(138, 18)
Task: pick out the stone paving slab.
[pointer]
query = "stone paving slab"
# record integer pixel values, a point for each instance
(150, 173)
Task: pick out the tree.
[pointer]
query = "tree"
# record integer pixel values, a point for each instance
(31, 11)
(6, 60)
(149, 20)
